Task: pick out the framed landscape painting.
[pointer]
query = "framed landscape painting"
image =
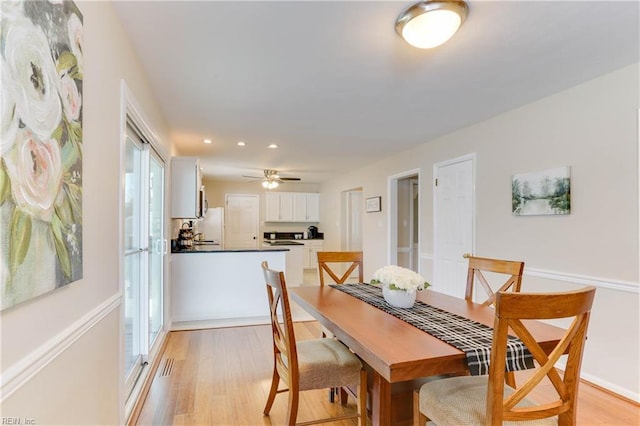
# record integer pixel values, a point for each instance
(547, 192)
(41, 53)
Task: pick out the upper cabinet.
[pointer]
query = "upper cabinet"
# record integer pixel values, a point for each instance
(306, 207)
(292, 207)
(186, 188)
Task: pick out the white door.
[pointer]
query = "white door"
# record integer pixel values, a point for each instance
(143, 252)
(241, 221)
(454, 218)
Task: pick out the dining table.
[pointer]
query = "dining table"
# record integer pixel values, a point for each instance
(397, 354)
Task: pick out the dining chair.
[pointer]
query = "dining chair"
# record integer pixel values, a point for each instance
(486, 400)
(500, 267)
(478, 265)
(328, 262)
(307, 364)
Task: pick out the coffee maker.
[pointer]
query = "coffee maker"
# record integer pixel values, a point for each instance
(313, 232)
(185, 237)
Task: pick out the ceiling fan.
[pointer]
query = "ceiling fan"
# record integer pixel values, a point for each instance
(272, 179)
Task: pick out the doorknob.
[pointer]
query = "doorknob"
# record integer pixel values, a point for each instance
(467, 255)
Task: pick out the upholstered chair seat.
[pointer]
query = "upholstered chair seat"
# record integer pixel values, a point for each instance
(325, 363)
(463, 401)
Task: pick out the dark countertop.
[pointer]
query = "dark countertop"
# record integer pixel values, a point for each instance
(208, 248)
(277, 243)
(298, 236)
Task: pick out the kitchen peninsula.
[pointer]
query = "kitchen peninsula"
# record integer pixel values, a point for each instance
(216, 287)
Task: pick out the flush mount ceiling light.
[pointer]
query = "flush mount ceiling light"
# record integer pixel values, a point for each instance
(428, 24)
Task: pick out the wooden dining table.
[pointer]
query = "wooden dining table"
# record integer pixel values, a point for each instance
(397, 353)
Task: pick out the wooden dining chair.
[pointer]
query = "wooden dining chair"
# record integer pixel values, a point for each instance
(511, 268)
(486, 400)
(478, 265)
(328, 262)
(307, 364)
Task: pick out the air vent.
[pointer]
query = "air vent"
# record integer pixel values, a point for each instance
(167, 369)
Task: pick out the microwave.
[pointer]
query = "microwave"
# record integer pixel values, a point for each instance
(203, 204)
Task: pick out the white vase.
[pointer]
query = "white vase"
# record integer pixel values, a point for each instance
(398, 298)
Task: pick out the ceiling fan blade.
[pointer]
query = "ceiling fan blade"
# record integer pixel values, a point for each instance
(253, 177)
(290, 179)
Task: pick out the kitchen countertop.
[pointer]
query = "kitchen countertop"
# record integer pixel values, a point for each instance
(209, 248)
(275, 243)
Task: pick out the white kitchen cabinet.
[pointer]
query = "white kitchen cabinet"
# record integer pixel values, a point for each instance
(279, 207)
(306, 207)
(272, 207)
(292, 207)
(310, 255)
(186, 188)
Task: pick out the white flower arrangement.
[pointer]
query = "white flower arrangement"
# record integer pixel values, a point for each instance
(399, 278)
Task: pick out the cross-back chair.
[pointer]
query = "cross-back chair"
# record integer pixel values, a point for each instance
(328, 259)
(512, 268)
(478, 265)
(328, 264)
(486, 400)
(307, 364)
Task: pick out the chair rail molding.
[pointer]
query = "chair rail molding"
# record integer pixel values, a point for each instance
(618, 285)
(611, 284)
(22, 371)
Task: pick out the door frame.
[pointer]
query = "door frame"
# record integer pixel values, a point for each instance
(130, 111)
(392, 208)
(436, 167)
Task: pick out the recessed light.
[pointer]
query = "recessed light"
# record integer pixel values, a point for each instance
(241, 143)
(273, 146)
(207, 141)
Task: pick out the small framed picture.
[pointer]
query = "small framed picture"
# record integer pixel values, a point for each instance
(373, 204)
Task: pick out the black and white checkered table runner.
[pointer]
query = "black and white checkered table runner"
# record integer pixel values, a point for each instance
(472, 338)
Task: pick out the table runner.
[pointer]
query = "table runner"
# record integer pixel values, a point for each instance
(471, 337)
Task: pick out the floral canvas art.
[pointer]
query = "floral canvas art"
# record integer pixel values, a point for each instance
(41, 147)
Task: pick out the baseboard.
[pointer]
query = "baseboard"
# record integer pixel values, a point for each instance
(14, 377)
(148, 381)
(610, 388)
(219, 323)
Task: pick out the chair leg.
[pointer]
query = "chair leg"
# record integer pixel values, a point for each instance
(362, 399)
(272, 392)
(292, 409)
(332, 395)
(344, 396)
(510, 379)
(419, 419)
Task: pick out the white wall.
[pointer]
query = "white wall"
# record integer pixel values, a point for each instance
(61, 351)
(593, 128)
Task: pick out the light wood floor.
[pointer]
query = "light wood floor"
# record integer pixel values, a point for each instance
(222, 377)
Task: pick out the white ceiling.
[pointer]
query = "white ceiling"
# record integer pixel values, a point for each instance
(333, 85)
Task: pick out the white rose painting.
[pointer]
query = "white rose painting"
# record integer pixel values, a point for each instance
(41, 73)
